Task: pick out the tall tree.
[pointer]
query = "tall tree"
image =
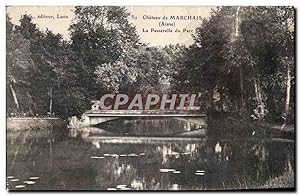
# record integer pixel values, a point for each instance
(20, 69)
(55, 67)
(100, 35)
(267, 35)
(142, 70)
(243, 48)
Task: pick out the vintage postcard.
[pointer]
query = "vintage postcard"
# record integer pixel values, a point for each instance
(140, 98)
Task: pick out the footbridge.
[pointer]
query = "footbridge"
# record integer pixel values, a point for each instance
(194, 120)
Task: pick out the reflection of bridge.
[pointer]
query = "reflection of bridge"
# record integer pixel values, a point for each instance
(194, 120)
(144, 140)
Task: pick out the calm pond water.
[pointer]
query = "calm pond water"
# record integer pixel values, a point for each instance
(62, 159)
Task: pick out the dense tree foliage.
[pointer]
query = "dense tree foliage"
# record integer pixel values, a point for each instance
(20, 69)
(101, 35)
(142, 70)
(241, 61)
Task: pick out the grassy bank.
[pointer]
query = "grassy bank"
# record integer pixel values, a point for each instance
(286, 180)
(32, 123)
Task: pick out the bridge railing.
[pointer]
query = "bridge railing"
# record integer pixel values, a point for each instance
(171, 113)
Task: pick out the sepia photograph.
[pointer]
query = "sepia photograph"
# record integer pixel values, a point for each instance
(150, 98)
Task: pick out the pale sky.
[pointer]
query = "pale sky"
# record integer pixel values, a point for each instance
(140, 18)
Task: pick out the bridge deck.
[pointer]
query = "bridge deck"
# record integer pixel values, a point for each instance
(145, 113)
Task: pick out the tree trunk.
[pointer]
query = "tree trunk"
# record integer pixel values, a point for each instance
(242, 90)
(257, 91)
(260, 109)
(289, 163)
(288, 93)
(240, 67)
(51, 100)
(237, 22)
(212, 98)
(13, 92)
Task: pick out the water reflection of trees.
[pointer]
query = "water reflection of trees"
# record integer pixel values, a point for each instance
(62, 161)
